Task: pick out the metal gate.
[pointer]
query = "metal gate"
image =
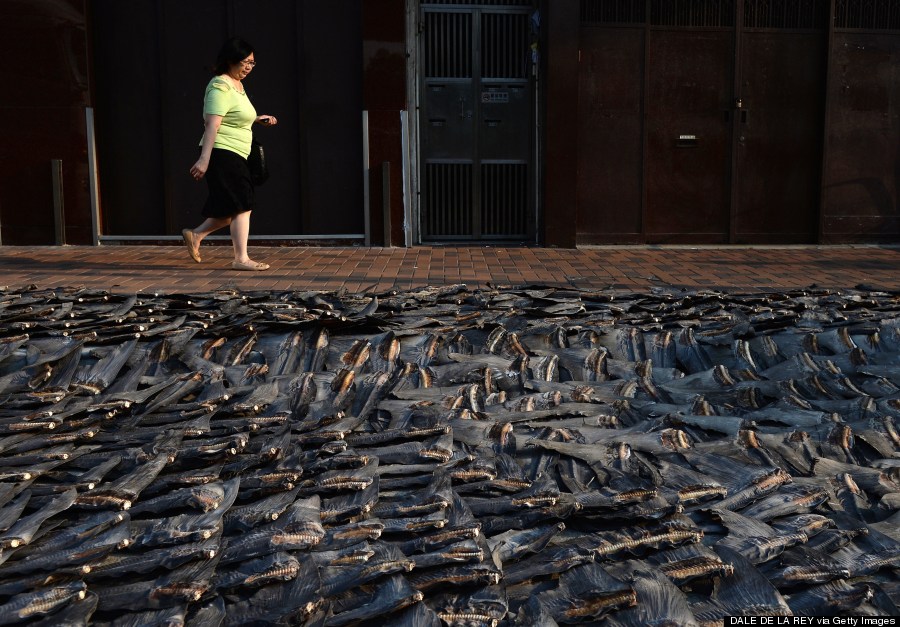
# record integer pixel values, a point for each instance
(713, 112)
(476, 122)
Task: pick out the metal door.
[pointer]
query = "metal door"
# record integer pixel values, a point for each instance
(476, 123)
(687, 162)
(701, 120)
(778, 121)
(687, 156)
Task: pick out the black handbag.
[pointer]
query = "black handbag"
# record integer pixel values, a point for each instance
(256, 162)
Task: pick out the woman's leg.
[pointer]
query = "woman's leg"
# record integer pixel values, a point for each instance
(208, 226)
(240, 233)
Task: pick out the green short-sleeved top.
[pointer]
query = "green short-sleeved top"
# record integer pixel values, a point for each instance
(238, 115)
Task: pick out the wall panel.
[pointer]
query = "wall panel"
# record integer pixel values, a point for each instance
(152, 64)
(42, 118)
(861, 186)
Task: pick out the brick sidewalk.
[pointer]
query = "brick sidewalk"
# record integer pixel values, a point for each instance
(122, 269)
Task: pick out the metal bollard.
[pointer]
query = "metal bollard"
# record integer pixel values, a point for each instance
(59, 212)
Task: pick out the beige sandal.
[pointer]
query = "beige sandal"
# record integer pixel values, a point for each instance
(253, 266)
(188, 236)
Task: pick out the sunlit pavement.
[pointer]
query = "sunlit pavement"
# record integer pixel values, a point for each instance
(128, 269)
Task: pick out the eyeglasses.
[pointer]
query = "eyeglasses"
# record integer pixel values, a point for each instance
(248, 63)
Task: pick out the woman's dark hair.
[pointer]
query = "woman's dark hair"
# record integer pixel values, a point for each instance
(233, 51)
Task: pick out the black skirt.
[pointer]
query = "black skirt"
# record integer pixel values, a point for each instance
(230, 187)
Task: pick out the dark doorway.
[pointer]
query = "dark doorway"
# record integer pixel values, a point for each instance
(477, 123)
(151, 60)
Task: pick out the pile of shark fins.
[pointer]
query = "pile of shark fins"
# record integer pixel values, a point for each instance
(447, 456)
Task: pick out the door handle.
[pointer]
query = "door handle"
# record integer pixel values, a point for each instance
(492, 122)
(462, 108)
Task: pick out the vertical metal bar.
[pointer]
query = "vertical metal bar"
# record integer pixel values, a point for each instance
(386, 202)
(488, 196)
(511, 194)
(433, 191)
(456, 181)
(448, 201)
(488, 55)
(492, 56)
(504, 200)
(736, 94)
(507, 202)
(367, 226)
(491, 182)
(512, 45)
(438, 197)
(436, 218)
(448, 62)
(59, 212)
(468, 62)
(514, 51)
(93, 177)
(451, 41)
(435, 185)
(472, 172)
(450, 182)
(464, 220)
(500, 218)
(428, 33)
(407, 215)
(413, 68)
(499, 44)
(477, 181)
(464, 59)
(523, 195)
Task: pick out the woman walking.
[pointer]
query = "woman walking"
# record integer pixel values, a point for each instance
(228, 117)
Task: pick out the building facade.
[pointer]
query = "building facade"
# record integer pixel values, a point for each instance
(548, 122)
